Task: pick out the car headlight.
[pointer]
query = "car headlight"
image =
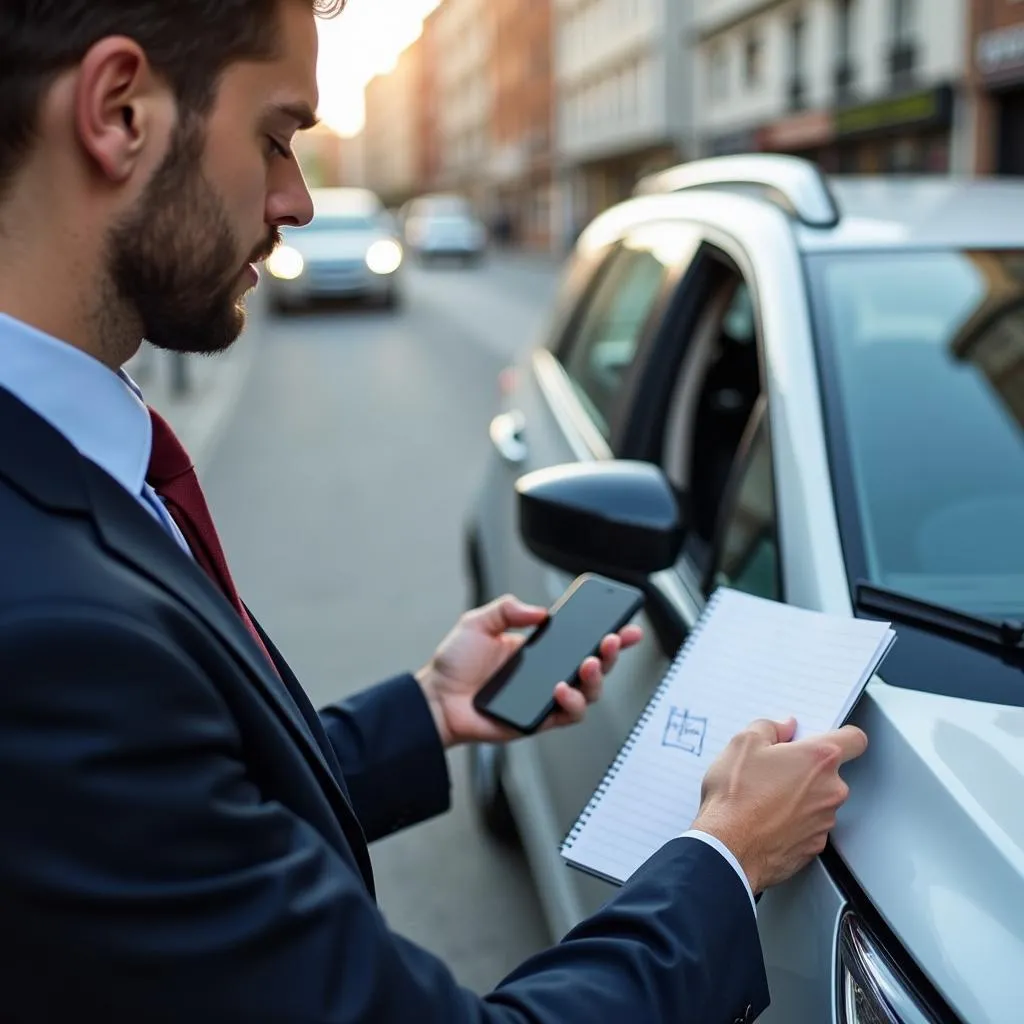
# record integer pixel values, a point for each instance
(384, 256)
(286, 263)
(872, 989)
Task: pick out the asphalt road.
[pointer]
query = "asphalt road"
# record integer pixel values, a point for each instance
(339, 484)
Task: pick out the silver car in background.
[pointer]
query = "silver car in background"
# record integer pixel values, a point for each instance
(349, 250)
(444, 226)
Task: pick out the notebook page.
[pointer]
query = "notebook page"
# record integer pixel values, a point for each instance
(748, 658)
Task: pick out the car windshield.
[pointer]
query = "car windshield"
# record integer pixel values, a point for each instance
(926, 355)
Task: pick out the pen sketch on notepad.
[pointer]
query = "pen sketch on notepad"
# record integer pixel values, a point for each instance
(685, 731)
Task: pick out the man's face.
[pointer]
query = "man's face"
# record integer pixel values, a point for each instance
(181, 258)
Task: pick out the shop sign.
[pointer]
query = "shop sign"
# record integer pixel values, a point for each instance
(803, 131)
(1000, 53)
(932, 108)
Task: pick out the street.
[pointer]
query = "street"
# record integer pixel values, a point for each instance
(339, 482)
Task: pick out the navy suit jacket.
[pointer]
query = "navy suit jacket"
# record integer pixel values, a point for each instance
(184, 836)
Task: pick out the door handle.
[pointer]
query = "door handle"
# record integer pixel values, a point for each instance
(507, 436)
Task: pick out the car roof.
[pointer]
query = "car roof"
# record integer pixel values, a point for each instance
(345, 201)
(920, 212)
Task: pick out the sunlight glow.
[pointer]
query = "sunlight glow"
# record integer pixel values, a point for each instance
(363, 41)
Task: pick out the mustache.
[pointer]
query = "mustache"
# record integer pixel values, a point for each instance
(264, 250)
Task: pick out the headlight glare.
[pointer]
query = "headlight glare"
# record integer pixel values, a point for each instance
(384, 256)
(286, 263)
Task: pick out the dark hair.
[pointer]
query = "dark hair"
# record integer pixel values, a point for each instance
(189, 42)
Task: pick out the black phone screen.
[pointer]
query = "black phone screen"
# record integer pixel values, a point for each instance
(520, 694)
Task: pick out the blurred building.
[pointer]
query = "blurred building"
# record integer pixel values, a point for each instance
(353, 160)
(997, 81)
(392, 130)
(428, 112)
(463, 35)
(867, 86)
(623, 72)
(320, 153)
(522, 127)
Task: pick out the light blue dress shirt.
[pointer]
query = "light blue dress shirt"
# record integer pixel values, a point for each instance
(100, 412)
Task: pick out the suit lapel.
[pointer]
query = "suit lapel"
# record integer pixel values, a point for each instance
(47, 468)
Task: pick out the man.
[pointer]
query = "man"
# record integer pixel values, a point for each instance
(184, 837)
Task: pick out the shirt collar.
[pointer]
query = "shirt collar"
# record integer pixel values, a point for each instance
(99, 411)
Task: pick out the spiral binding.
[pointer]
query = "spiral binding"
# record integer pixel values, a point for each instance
(645, 716)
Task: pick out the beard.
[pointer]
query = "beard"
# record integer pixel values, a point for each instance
(174, 260)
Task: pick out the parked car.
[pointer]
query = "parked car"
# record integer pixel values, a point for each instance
(829, 377)
(350, 250)
(444, 226)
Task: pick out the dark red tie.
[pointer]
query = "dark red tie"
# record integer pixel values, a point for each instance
(173, 476)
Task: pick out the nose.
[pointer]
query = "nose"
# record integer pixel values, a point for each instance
(289, 202)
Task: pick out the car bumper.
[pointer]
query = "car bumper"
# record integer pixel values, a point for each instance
(333, 281)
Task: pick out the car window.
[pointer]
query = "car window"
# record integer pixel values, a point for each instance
(718, 386)
(602, 349)
(748, 550)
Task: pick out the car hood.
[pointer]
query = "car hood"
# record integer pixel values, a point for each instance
(934, 833)
(324, 246)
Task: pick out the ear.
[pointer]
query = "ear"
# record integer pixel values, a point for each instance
(119, 106)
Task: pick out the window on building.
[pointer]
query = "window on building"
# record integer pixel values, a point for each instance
(797, 90)
(718, 72)
(903, 51)
(752, 59)
(844, 68)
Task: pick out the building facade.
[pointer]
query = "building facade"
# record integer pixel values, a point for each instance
(861, 86)
(428, 112)
(522, 127)
(996, 55)
(392, 130)
(624, 86)
(463, 33)
(321, 155)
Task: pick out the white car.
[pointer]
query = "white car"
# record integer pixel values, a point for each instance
(349, 250)
(829, 375)
(444, 226)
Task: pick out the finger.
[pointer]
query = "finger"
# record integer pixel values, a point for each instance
(571, 702)
(507, 612)
(609, 651)
(630, 636)
(851, 741)
(591, 680)
(773, 732)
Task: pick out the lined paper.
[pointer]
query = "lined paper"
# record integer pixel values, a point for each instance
(747, 658)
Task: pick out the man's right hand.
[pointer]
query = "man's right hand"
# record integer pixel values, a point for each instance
(773, 802)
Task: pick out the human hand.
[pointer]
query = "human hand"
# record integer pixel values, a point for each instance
(478, 646)
(773, 802)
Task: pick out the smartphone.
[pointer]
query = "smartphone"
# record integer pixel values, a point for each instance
(521, 693)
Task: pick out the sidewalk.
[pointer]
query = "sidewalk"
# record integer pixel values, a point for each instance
(198, 410)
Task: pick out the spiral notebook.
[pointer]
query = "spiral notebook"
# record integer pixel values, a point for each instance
(746, 658)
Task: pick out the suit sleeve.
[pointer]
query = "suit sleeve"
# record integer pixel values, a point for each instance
(145, 876)
(391, 756)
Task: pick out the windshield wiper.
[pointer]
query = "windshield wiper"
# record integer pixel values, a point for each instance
(1005, 635)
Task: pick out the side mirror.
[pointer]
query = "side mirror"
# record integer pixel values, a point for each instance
(622, 519)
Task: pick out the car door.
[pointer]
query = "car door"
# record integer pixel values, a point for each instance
(698, 410)
(569, 405)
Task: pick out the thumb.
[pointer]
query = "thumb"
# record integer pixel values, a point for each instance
(508, 613)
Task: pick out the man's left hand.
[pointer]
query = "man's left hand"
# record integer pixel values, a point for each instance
(478, 646)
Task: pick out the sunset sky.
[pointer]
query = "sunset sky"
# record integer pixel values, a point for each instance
(364, 40)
